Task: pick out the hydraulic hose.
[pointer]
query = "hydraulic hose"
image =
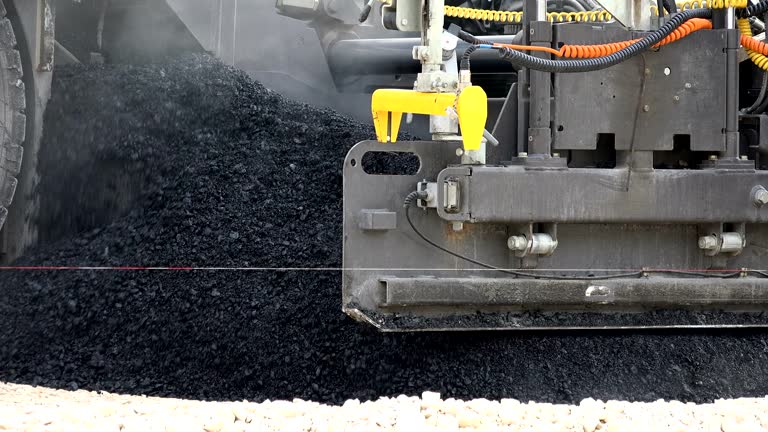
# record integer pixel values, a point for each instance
(754, 10)
(756, 49)
(595, 51)
(520, 59)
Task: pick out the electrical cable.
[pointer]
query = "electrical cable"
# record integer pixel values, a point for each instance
(754, 9)
(601, 50)
(464, 64)
(366, 12)
(587, 65)
(755, 48)
(701, 274)
(660, 8)
(422, 195)
(515, 17)
(756, 51)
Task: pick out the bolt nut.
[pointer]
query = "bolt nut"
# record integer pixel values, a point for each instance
(708, 242)
(760, 196)
(522, 155)
(517, 243)
(457, 226)
(646, 108)
(713, 157)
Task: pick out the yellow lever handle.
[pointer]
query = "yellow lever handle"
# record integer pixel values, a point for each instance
(471, 107)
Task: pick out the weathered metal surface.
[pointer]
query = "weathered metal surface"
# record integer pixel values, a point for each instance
(374, 258)
(585, 195)
(682, 94)
(561, 295)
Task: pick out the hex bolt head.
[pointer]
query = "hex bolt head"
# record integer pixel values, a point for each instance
(517, 243)
(708, 242)
(760, 196)
(522, 155)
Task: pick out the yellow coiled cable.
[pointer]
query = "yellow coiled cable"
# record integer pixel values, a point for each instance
(517, 17)
(483, 14)
(758, 59)
(702, 4)
(587, 16)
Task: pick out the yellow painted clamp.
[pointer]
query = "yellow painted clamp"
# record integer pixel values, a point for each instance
(471, 107)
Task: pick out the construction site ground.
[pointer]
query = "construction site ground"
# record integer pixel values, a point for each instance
(210, 169)
(29, 408)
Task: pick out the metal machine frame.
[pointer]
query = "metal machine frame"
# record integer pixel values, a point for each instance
(547, 237)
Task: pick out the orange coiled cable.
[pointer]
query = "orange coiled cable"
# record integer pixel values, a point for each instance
(593, 51)
(753, 44)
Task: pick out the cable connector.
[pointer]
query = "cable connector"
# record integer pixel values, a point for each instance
(366, 12)
(413, 196)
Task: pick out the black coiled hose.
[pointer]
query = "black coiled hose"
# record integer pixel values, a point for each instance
(520, 59)
(413, 196)
(465, 57)
(471, 40)
(754, 10)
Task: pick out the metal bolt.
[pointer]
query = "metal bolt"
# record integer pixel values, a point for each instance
(459, 152)
(744, 157)
(555, 155)
(708, 242)
(404, 21)
(522, 154)
(517, 243)
(647, 71)
(688, 85)
(457, 226)
(646, 108)
(713, 157)
(677, 98)
(530, 138)
(760, 196)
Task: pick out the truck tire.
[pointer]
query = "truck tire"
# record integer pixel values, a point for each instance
(12, 115)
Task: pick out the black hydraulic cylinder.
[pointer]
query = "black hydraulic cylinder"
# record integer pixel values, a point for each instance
(365, 57)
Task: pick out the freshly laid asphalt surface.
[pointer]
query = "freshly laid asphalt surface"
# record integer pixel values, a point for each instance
(232, 175)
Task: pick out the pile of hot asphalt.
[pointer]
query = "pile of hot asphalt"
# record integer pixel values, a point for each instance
(233, 175)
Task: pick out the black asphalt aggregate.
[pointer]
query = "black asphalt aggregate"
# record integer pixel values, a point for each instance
(233, 175)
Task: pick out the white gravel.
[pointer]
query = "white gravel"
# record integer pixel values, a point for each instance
(25, 408)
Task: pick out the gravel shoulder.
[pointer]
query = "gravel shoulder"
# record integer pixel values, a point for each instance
(36, 409)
